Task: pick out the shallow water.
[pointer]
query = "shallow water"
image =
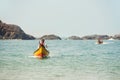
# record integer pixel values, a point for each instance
(69, 60)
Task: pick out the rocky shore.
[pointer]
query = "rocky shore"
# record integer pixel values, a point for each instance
(50, 37)
(117, 36)
(11, 31)
(94, 37)
(74, 38)
(87, 37)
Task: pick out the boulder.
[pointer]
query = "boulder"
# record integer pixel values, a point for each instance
(11, 31)
(93, 37)
(50, 37)
(74, 38)
(117, 36)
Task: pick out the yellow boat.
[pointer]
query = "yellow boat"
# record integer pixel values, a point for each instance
(41, 52)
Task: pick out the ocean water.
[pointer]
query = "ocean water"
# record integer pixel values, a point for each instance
(68, 60)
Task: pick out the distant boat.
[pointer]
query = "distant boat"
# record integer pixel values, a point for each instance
(99, 41)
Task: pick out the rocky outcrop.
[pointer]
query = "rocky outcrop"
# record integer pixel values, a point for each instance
(93, 37)
(50, 37)
(117, 36)
(74, 38)
(11, 31)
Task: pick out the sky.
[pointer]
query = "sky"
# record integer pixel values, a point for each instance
(63, 17)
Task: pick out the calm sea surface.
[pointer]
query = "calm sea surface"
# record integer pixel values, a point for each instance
(69, 60)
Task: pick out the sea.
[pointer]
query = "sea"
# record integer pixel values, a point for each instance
(68, 60)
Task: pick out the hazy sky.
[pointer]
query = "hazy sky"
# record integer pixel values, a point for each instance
(63, 17)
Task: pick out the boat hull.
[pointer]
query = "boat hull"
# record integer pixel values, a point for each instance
(41, 52)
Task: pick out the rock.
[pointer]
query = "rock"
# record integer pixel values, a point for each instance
(117, 36)
(1, 37)
(93, 37)
(74, 38)
(11, 31)
(50, 37)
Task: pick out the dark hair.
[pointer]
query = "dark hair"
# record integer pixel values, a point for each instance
(42, 40)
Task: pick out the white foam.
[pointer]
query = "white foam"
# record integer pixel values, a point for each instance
(111, 39)
(33, 56)
(102, 43)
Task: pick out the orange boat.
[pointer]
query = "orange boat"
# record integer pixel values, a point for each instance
(41, 52)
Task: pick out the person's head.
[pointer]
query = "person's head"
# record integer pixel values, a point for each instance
(42, 40)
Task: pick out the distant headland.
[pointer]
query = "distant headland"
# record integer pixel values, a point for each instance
(12, 31)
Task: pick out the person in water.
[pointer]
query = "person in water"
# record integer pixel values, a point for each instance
(100, 41)
(42, 43)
